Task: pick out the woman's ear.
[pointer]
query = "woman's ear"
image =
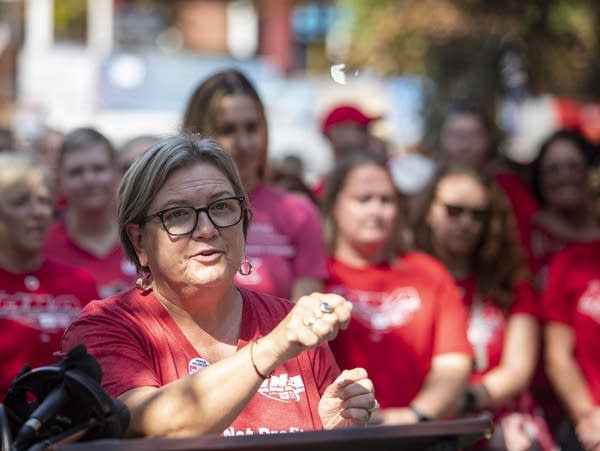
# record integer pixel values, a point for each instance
(135, 235)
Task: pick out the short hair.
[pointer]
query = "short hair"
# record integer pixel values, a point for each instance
(470, 108)
(17, 167)
(336, 181)
(148, 174)
(83, 138)
(201, 108)
(131, 149)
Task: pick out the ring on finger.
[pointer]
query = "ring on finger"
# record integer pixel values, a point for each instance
(374, 407)
(310, 322)
(326, 307)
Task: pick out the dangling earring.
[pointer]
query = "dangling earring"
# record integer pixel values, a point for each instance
(245, 268)
(144, 282)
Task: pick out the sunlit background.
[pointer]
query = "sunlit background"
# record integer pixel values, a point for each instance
(127, 67)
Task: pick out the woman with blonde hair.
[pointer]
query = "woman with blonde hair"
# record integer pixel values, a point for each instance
(38, 296)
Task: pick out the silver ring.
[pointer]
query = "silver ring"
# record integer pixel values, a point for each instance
(375, 406)
(326, 307)
(310, 322)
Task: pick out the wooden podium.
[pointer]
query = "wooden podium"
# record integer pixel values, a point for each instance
(428, 436)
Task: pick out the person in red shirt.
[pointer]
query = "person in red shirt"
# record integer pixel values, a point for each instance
(571, 308)
(467, 223)
(561, 182)
(347, 129)
(38, 296)
(86, 234)
(467, 136)
(188, 351)
(408, 326)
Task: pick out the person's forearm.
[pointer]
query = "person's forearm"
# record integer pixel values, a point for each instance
(502, 384)
(564, 371)
(570, 386)
(445, 384)
(516, 368)
(200, 403)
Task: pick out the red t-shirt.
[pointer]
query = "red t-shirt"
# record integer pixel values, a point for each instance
(488, 321)
(113, 273)
(544, 244)
(35, 309)
(523, 202)
(402, 317)
(138, 344)
(284, 242)
(572, 297)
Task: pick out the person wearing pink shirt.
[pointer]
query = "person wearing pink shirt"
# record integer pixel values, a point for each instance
(408, 327)
(571, 309)
(38, 296)
(285, 245)
(467, 223)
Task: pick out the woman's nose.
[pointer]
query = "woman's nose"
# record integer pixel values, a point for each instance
(204, 225)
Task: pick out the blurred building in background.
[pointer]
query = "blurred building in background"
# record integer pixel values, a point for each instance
(127, 67)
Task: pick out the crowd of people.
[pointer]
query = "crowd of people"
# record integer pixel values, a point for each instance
(179, 261)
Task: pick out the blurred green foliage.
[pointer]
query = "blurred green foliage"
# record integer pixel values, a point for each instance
(460, 44)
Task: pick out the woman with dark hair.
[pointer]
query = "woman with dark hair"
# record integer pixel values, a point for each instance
(468, 137)
(467, 223)
(561, 183)
(285, 245)
(408, 326)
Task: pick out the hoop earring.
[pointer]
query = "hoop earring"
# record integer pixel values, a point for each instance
(144, 282)
(245, 268)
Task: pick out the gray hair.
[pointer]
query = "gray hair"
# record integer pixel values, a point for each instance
(148, 174)
(16, 167)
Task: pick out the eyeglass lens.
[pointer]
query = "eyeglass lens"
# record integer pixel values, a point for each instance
(183, 220)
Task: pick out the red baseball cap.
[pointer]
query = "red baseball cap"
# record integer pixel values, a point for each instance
(346, 113)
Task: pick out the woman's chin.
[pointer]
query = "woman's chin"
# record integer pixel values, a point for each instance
(212, 277)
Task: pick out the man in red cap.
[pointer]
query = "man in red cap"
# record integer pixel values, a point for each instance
(347, 130)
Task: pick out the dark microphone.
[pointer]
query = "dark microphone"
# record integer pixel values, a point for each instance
(77, 359)
(49, 407)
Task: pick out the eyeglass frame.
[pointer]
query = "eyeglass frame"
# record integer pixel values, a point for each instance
(160, 214)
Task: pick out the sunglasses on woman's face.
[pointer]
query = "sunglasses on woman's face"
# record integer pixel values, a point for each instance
(477, 214)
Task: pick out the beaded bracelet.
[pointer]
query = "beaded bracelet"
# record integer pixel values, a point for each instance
(259, 374)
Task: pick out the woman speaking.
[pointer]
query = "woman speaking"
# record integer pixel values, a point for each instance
(187, 351)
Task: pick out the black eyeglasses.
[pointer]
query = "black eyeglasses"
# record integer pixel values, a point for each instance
(477, 214)
(222, 213)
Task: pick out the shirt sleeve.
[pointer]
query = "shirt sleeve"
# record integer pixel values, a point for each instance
(115, 345)
(526, 300)
(452, 318)
(555, 303)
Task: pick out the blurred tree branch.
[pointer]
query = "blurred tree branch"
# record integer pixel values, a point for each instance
(459, 43)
